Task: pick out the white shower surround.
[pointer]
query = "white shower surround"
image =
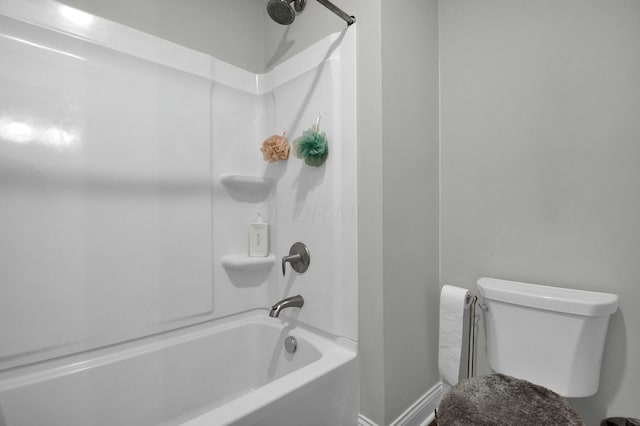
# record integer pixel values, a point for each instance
(215, 130)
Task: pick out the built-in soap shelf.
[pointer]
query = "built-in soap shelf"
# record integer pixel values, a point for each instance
(246, 182)
(242, 262)
(247, 188)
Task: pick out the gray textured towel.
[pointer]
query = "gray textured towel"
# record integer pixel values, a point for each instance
(504, 400)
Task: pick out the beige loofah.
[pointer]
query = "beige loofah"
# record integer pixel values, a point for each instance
(275, 148)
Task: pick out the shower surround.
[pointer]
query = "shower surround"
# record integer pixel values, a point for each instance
(129, 172)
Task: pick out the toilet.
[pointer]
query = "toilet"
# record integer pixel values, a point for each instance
(545, 343)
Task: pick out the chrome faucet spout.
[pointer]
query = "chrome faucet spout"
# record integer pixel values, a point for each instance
(289, 302)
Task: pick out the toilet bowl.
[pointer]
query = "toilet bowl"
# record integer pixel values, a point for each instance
(545, 342)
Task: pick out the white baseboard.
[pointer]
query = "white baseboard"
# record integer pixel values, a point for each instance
(421, 413)
(363, 421)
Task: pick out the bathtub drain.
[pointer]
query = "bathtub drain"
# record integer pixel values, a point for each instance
(290, 344)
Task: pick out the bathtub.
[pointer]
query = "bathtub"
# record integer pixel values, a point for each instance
(233, 371)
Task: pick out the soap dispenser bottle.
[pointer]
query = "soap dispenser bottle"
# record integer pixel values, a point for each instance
(259, 237)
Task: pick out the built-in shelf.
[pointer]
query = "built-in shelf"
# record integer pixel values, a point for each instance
(246, 263)
(247, 188)
(247, 183)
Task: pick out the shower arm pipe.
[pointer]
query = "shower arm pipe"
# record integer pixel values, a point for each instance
(341, 13)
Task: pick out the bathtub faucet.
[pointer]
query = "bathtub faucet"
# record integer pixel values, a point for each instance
(289, 302)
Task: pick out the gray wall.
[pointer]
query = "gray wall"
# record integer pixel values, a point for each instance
(410, 201)
(230, 30)
(540, 159)
(313, 24)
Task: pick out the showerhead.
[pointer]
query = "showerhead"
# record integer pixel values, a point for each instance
(284, 11)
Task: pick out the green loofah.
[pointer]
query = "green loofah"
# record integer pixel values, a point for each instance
(312, 146)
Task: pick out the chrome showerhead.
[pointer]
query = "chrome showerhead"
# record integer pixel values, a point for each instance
(284, 11)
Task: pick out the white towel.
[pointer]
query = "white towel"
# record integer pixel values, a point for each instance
(453, 302)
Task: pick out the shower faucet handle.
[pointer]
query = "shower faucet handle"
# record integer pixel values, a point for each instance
(293, 259)
(299, 257)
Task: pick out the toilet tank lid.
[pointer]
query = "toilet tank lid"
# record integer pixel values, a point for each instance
(571, 301)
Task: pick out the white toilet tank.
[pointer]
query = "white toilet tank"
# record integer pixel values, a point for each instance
(551, 336)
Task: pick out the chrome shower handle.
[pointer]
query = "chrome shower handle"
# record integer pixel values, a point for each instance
(299, 257)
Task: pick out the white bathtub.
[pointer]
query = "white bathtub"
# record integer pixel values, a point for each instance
(233, 371)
